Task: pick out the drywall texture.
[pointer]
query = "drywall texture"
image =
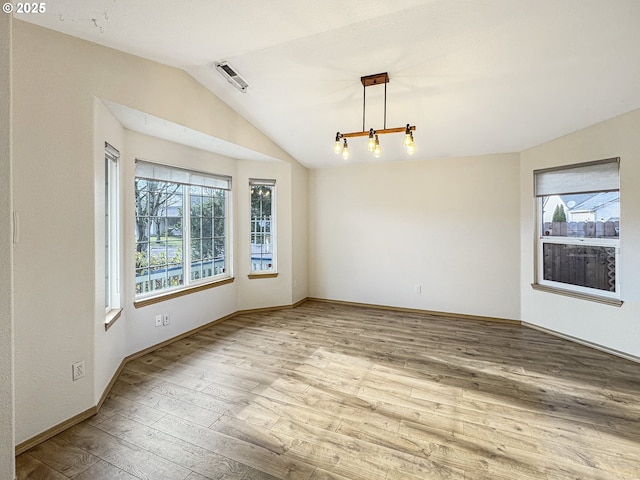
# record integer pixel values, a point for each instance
(299, 232)
(110, 346)
(56, 192)
(450, 226)
(7, 463)
(616, 328)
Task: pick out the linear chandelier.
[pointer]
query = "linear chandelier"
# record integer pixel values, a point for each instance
(373, 145)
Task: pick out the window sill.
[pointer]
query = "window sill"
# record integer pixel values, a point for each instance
(253, 276)
(111, 318)
(143, 302)
(614, 302)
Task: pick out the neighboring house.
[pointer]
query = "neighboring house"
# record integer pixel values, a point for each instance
(603, 206)
(584, 207)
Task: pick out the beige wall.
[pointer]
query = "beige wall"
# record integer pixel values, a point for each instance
(299, 232)
(616, 328)
(264, 292)
(59, 127)
(450, 225)
(112, 346)
(192, 310)
(6, 318)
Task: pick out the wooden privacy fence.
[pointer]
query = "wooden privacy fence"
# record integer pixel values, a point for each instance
(592, 266)
(609, 229)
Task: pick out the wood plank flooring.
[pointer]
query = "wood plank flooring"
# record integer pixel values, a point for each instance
(335, 392)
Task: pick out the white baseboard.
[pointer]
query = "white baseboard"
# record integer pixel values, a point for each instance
(602, 348)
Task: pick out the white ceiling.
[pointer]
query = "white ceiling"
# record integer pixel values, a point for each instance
(474, 76)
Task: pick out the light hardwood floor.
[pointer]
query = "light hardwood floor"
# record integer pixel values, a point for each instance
(335, 392)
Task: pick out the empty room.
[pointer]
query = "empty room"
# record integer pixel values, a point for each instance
(320, 240)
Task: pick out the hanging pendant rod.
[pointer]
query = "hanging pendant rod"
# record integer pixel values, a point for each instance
(385, 104)
(368, 81)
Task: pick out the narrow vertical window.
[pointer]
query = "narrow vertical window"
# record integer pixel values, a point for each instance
(111, 229)
(263, 232)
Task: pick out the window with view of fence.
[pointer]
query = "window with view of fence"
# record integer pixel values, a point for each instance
(587, 266)
(579, 227)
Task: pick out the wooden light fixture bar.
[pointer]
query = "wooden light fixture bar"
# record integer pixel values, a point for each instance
(377, 132)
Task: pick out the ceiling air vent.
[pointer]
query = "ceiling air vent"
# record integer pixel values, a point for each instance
(232, 76)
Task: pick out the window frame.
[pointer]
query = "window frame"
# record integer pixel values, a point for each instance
(113, 217)
(273, 271)
(187, 178)
(542, 239)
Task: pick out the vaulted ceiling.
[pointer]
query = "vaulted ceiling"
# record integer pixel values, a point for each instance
(474, 76)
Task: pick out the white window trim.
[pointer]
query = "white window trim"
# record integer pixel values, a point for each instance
(112, 265)
(274, 230)
(541, 189)
(597, 242)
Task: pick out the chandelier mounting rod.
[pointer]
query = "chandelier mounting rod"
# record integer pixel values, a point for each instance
(367, 81)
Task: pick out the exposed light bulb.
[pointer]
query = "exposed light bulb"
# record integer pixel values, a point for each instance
(408, 138)
(371, 144)
(337, 147)
(377, 151)
(345, 150)
(409, 145)
(411, 149)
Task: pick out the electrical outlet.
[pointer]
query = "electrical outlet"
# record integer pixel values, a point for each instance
(418, 288)
(158, 320)
(78, 370)
(165, 320)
